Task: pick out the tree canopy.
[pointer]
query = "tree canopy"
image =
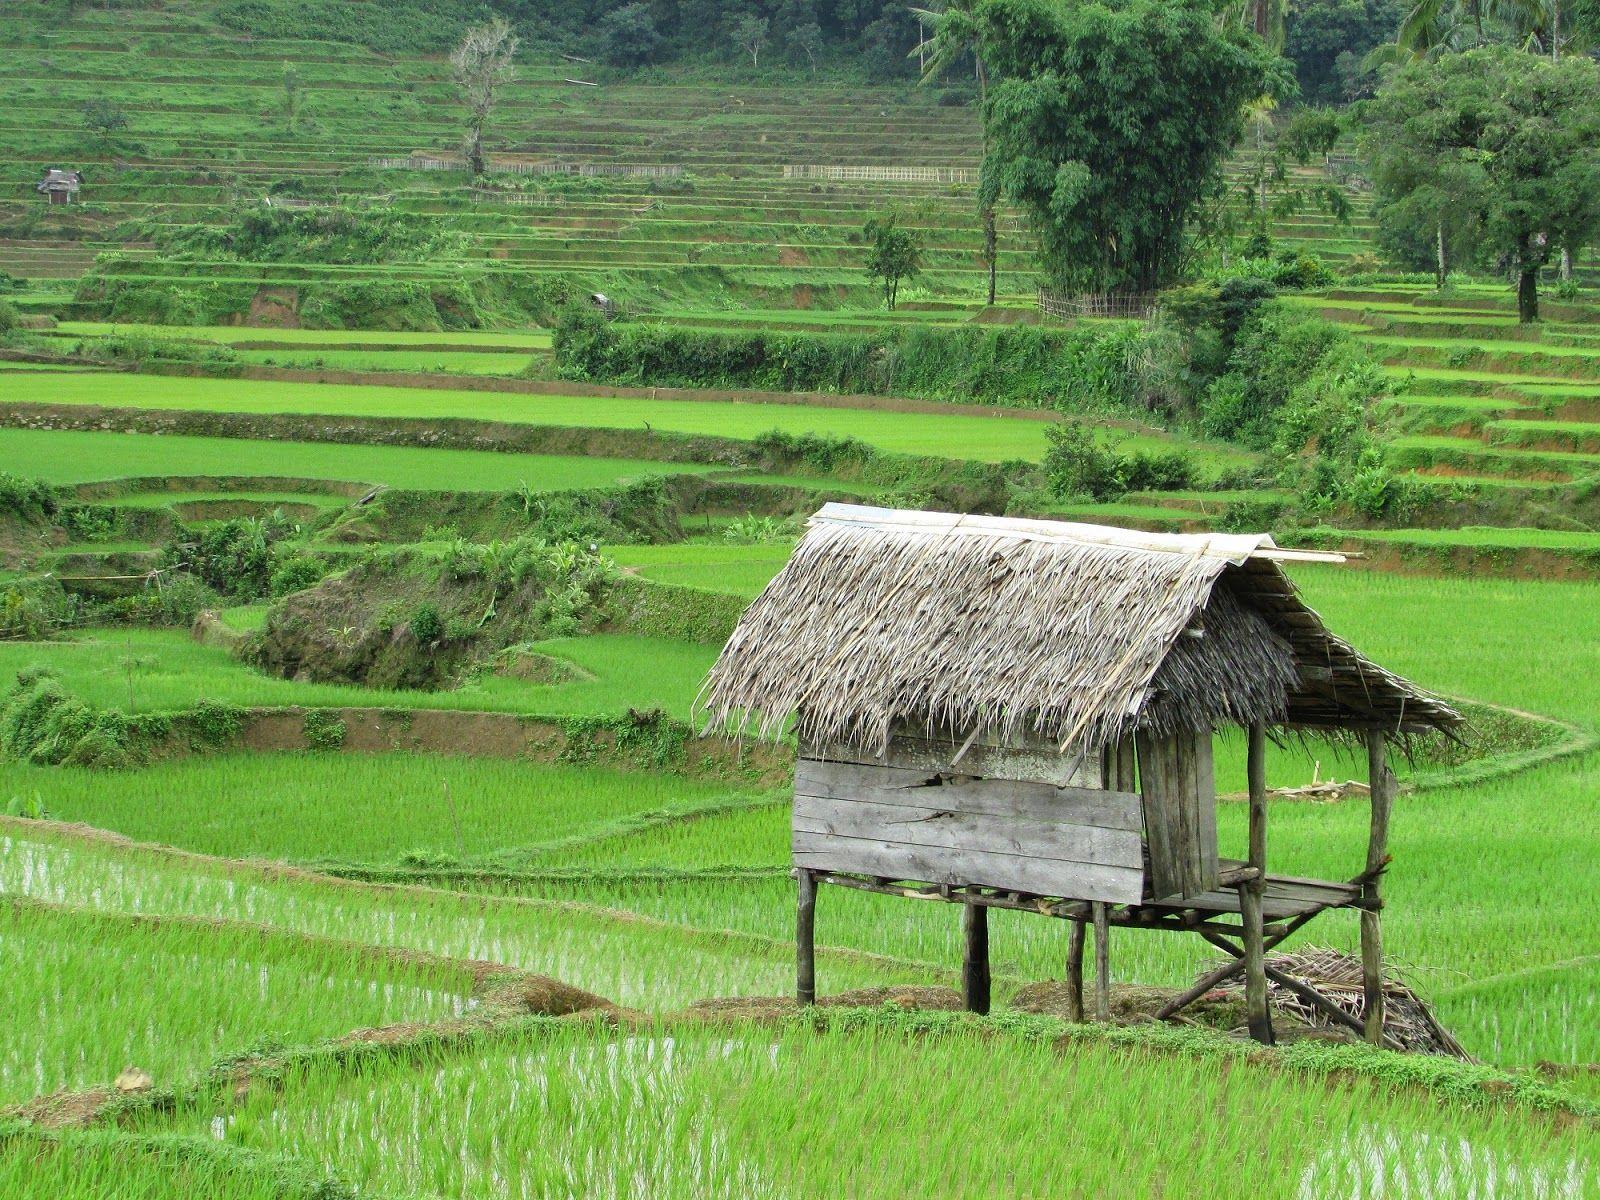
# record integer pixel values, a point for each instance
(1499, 147)
(1108, 121)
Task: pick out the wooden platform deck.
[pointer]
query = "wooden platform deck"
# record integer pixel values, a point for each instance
(1286, 899)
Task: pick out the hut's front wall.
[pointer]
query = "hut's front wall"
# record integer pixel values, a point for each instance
(1177, 780)
(1019, 818)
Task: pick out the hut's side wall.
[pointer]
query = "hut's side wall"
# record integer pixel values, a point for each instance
(1019, 818)
(1180, 812)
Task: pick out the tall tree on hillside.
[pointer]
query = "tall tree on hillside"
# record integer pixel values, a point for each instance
(750, 35)
(1497, 141)
(895, 257)
(1107, 124)
(955, 38)
(482, 64)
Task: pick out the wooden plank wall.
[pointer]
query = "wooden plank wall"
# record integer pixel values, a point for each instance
(1180, 813)
(916, 821)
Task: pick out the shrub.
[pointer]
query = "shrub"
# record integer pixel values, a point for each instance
(324, 730)
(239, 558)
(41, 724)
(294, 573)
(1078, 465)
(33, 609)
(9, 317)
(26, 497)
(426, 625)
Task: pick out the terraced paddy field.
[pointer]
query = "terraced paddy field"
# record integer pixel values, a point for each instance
(70, 457)
(343, 925)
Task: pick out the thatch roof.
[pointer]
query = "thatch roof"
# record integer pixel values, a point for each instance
(1078, 633)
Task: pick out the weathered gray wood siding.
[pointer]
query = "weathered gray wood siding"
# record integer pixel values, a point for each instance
(1180, 813)
(1022, 819)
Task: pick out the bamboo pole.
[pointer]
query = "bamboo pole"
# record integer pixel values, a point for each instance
(1102, 963)
(805, 953)
(1075, 942)
(975, 967)
(1250, 892)
(1380, 784)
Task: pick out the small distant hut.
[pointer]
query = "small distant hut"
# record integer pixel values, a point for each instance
(1019, 714)
(61, 187)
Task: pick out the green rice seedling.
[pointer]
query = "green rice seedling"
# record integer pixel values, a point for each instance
(89, 994)
(101, 1165)
(881, 1107)
(756, 836)
(352, 808)
(625, 958)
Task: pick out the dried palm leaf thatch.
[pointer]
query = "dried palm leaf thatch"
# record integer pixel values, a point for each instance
(1077, 633)
(1408, 1022)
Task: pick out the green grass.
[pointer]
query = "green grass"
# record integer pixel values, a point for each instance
(164, 670)
(440, 362)
(741, 570)
(168, 500)
(87, 994)
(236, 334)
(354, 808)
(74, 457)
(949, 435)
(1496, 536)
(879, 1110)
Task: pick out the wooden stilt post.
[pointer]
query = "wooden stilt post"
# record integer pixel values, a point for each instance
(1075, 942)
(975, 968)
(1250, 892)
(1102, 963)
(1381, 785)
(805, 928)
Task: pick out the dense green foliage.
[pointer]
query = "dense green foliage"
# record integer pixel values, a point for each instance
(257, 233)
(872, 36)
(40, 723)
(1073, 370)
(1497, 146)
(1328, 39)
(1107, 124)
(1078, 466)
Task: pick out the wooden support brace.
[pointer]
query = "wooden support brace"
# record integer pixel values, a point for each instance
(805, 928)
(975, 967)
(1226, 970)
(1250, 892)
(1102, 963)
(1380, 783)
(1075, 942)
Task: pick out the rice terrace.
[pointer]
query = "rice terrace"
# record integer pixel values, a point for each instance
(650, 600)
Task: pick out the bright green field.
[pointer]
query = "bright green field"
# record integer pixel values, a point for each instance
(950, 435)
(612, 954)
(357, 808)
(73, 457)
(441, 362)
(87, 994)
(235, 334)
(164, 670)
(689, 1114)
(739, 570)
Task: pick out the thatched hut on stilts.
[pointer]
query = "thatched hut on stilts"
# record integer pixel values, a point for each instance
(1019, 714)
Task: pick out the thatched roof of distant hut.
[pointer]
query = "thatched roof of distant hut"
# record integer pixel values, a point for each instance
(1078, 633)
